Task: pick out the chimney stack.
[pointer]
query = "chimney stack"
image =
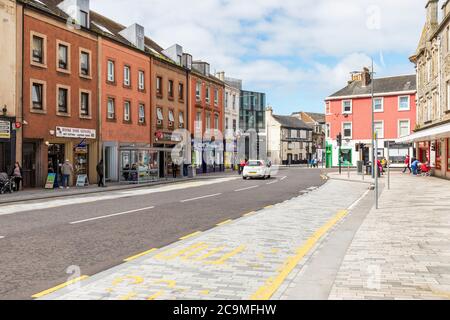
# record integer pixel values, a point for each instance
(432, 13)
(365, 77)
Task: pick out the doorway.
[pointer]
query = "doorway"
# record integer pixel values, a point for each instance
(30, 150)
(56, 157)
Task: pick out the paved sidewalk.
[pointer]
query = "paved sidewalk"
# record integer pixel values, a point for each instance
(402, 250)
(40, 193)
(249, 258)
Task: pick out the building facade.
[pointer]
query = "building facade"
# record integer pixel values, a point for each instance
(206, 113)
(60, 96)
(289, 139)
(252, 139)
(318, 123)
(432, 60)
(349, 112)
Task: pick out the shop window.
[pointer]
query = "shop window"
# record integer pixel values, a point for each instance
(438, 155)
(346, 157)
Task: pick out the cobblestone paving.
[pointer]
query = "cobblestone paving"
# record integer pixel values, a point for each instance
(402, 250)
(231, 261)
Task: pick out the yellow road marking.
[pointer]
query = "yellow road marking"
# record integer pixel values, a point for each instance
(136, 280)
(224, 222)
(62, 285)
(128, 296)
(272, 284)
(249, 213)
(156, 295)
(194, 252)
(204, 292)
(170, 283)
(227, 256)
(443, 294)
(260, 256)
(190, 235)
(267, 207)
(139, 255)
(210, 253)
(164, 255)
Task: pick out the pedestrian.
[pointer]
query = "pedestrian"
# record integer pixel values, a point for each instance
(100, 174)
(174, 170)
(407, 164)
(241, 166)
(66, 171)
(415, 166)
(17, 175)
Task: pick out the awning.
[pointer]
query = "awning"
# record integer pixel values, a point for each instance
(442, 131)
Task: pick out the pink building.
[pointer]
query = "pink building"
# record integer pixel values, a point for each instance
(348, 112)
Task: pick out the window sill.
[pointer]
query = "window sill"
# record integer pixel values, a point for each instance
(88, 77)
(37, 111)
(111, 120)
(142, 124)
(64, 71)
(86, 117)
(63, 114)
(142, 91)
(181, 100)
(39, 65)
(159, 95)
(170, 98)
(111, 83)
(127, 122)
(127, 86)
(402, 110)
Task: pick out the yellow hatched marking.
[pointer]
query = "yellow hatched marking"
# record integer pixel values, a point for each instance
(204, 292)
(186, 256)
(156, 295)
(190, 235)
(224, 222)
(170, 283)
(272, 284)
(210, 253)
(135, 280)
(62, 285)
(139, 255)
(165, 254)
(260, 256)
(227, 256)
(128, 296)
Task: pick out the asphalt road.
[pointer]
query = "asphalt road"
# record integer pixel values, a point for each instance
(39, 244)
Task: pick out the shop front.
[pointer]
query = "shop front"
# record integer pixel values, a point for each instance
(77, 145)
(165, 142)
(138, 164)
(7, 144)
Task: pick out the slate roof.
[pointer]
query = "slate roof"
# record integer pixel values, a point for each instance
(380, 85)
(292, 122)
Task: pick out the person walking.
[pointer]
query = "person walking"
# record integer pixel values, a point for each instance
(407, 165)
(100, 174)
(66, 171)
(17, 175)
(174, 170)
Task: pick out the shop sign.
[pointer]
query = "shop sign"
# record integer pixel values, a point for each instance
(168, 136)
(49, 184)
(63, 132)
(5, 130)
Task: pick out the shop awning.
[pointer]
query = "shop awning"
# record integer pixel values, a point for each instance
(442, 131)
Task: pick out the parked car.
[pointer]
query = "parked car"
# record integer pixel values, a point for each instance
(256, 169)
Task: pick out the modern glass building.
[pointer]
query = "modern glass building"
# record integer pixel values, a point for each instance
(252, 124)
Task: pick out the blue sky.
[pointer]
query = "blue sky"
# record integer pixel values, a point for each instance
(297, 51)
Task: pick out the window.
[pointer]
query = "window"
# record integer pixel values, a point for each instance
(429, 109)
(84, 104)
(141, 113)
(159, 114)
(208, 121)
(234, 125)
(216, 122)
(111, 109)
(181, 119)
(379, 129)
(234, 102)
(38, 49)
(226, 100)
(63, 102)
(403, 103)
(347, 106)
(85, 63)
(198, 94)
(171, 118)
(198, 120)
(83, 19)
(378, 105)
(63, 57)
(403, 128)
(170, 89)
(448, 95)
(37, 96)
(429, 70)
(111, 71)
(127, 111)
(327, 130)
(126, 76)
(216, 97)
(141, 80)
(181, 91)
(207, 94)
(159, 86)
(347, 129)
(226, 123)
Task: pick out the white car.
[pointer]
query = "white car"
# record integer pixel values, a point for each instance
(256, 169)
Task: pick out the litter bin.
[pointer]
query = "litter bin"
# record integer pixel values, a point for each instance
(191, 171)
(359, 165)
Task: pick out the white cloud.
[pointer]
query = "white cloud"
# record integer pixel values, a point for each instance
(280, 45)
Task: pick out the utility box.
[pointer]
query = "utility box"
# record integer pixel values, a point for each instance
(359, 165)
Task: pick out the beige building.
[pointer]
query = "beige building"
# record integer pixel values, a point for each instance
(10, 84)
(432, 60)
(289, 139)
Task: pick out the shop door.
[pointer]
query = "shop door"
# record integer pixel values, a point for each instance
(56, 153)
(29, 164)
(3, 158)
(162, 164)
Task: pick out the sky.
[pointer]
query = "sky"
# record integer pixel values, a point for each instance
(296, 51)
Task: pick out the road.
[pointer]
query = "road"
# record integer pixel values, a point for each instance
(39, 241)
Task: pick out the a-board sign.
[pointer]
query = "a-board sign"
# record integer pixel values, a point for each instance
(82, 180)
(50, 183)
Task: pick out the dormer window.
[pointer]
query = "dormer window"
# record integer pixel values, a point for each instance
(84, 19)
